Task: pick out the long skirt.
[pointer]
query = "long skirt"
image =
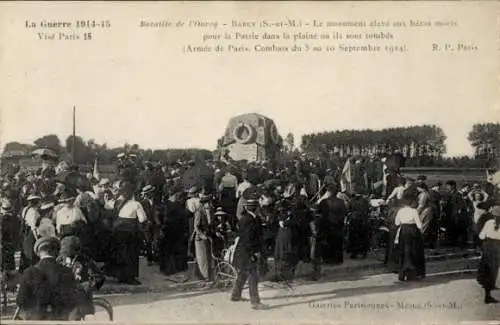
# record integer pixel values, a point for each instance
(127, 242)
(204, 258)
(172, 251)
(359, 237)
(489, 264)
(286, 255)
(333, 246)
(391, 256)
(284, 249)
(411, 252)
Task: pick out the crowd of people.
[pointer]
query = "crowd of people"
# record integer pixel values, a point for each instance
(303, 210)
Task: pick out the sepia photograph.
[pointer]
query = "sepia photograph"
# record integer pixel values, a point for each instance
(238, 162)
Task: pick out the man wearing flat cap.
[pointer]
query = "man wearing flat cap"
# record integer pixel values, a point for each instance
(47, 290)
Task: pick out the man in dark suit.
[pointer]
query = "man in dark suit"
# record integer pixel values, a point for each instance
(47, 290)
(455, 216)
(247, 253)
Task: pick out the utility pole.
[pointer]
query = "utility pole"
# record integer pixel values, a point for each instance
(74, 135)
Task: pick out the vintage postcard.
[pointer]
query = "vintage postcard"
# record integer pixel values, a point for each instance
(250, 162)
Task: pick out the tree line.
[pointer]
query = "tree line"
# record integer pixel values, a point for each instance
(422, 145)
(87, 151)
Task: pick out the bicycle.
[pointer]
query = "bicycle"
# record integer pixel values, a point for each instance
(96, 302)
(225, 273)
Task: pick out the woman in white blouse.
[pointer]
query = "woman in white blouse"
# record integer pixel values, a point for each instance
(409, 241)
(490, 259)
(127, 236)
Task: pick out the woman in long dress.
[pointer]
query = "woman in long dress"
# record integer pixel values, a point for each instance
(490, 260)
(202, 244)
(425, 212)
(285, 250)
(409, 241)
(393, 203)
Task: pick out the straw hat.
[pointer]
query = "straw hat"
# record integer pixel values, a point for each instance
(46, 241)
(34, 198)
(148, 189)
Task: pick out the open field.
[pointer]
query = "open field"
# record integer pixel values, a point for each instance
(460, 175)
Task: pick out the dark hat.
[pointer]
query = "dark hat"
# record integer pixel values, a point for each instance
(252, 193)
(282, 205)
(438, 184)
(220, 212)
(451, 183)
(70, 245)
(43, 242)
(421, 178)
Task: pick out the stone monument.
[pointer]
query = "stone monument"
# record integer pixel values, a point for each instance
(252, 137)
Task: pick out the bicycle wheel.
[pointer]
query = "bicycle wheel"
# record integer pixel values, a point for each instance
(225, 275)
(103, 310)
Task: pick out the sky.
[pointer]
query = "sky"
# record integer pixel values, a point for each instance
(134, 85)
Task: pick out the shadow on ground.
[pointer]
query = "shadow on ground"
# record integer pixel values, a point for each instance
(297, 298)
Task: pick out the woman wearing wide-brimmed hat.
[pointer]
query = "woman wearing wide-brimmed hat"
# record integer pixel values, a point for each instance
(69, 218)
(222, 231)
(490, 260)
